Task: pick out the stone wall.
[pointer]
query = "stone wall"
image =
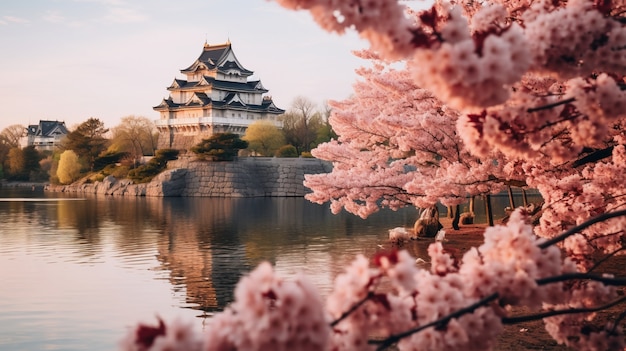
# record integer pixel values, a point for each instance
(246, 177)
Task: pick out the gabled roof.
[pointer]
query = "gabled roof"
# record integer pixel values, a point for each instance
(220, 57)
(268, 104)
(198, 99)
(47, 129)
(233, 99)
(177, 83)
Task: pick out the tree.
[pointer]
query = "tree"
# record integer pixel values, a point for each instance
(9, 138)
(264, 138)
(401, 148)
(301, 123)
(23, 162)
(87, 140)
(135, 135)
(69, 167)
(12, 134)
(220, 147)
(536, 91)
(325, 132)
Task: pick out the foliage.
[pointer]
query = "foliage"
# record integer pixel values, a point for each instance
(87, 140)
(167, 154)
(9, 138)
(156, 165)
(69, 167)
(486, 94)
(22, 162)
(264, 138)
(219, 147)
(287, 151)
(108, 158)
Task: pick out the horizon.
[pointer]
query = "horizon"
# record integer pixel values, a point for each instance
(76, 59)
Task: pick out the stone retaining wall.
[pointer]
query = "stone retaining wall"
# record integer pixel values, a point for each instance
(246, 177)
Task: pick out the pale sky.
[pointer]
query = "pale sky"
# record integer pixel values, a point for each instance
(70, 60)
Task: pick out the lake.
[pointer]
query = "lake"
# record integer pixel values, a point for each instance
(77, 272)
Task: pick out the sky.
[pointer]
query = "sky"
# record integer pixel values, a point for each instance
(69, 60)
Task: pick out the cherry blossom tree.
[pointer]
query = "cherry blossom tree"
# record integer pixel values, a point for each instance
(398, 143)
(492, 92)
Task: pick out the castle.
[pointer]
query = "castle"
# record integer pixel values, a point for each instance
(215, 97)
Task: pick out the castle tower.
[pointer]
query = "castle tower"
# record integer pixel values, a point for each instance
(215, 97)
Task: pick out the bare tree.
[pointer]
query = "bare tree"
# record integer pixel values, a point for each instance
(300, 124)
(12, 134)
(136, 135)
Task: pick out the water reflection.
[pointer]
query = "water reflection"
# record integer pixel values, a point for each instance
(76, 272)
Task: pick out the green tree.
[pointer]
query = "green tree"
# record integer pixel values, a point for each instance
(156, 165)
(87, 141)
(287, 151)
(264, 138)
(220, 147)
(68, 169)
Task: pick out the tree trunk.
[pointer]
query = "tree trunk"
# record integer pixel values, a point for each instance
(488, 211)
(511, 201)
(457, 217)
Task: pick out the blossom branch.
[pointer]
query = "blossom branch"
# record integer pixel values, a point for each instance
(582, 226)
(352, 309)
(441, 322)
(549, 106)
(583, 276)
(534, 317)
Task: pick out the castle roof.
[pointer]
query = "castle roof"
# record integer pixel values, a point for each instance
(217, 57)
(251, 86)
(232, 101)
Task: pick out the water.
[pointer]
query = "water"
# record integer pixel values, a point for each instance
(76, 273)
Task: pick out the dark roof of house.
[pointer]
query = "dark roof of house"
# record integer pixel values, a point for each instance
(47, 128)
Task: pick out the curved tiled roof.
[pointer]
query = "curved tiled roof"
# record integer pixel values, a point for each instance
(252, 86)
(213, 57)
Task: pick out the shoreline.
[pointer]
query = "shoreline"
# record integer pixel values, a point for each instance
(19, 184)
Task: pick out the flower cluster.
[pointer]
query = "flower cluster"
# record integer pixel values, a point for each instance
(468, 71)
(390, 36)
(576, 40)
(267, 314)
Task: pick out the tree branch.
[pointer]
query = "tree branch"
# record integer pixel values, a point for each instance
(352, 309)
(538, 316)
(582, 226)
(583, 276)
(549, 106)
(383, 344)
(595, 156)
